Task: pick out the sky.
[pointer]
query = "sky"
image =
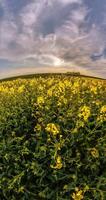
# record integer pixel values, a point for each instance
(52, 36)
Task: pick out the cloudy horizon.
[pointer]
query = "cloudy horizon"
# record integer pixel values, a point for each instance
(52, 36)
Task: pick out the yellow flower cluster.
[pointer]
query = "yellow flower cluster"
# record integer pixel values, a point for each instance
(78, 194)
(52, 128)
(84, 113)
(94, 152)
(37, 127)
(94, 89)
(21, 88)
(103, 109)
(49, 92)
(40, 100)
(58, 164)
(62, 101)
(102, 115)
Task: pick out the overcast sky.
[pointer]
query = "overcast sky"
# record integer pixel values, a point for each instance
(52, 36)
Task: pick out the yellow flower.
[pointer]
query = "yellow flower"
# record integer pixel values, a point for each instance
(94, 153)
(21, 88)
(62, 100)
(102, 116)
(61, 84)
(32, 82)
(84, 113)
(65, 187)
(52, 128)
(58, 163)
(78, 195)
(4, 89)
(94, 89)
(49, 92)
(103, 109)
(98, 102)
(11, 91)
(40, 100)
(37, 127)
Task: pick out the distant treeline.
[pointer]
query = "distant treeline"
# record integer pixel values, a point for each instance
(73, 73)
(44, 75)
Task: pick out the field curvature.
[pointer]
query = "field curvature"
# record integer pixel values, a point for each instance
(53, 138)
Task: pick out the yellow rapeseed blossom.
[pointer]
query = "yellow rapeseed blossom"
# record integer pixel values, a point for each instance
(40, 100)
(103, 109)
(94, 89)
(11, 91)
(59, 164)
(62, 100)
(94, 152)
(52, 128)
(102, 114)
(37, 127)
(65, 187)
(49, 93)
(21, 88)
(98, 103)
(84, 112)
(4, 89)
(33, 82)
(78, 194)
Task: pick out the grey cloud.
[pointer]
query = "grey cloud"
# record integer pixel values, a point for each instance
(104, 52)
(54, 18)
(50, 33)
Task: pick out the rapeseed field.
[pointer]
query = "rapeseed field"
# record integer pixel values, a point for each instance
(53, 138)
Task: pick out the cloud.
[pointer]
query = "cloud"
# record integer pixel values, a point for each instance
(70, 1)
(30, 13)
(52, 33)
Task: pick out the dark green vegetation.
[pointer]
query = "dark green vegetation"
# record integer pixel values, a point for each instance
(53, 138)
(45, 75)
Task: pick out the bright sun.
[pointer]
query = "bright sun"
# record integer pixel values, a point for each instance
(58, 62)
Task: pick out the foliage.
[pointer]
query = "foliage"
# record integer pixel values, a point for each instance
(53, 138)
